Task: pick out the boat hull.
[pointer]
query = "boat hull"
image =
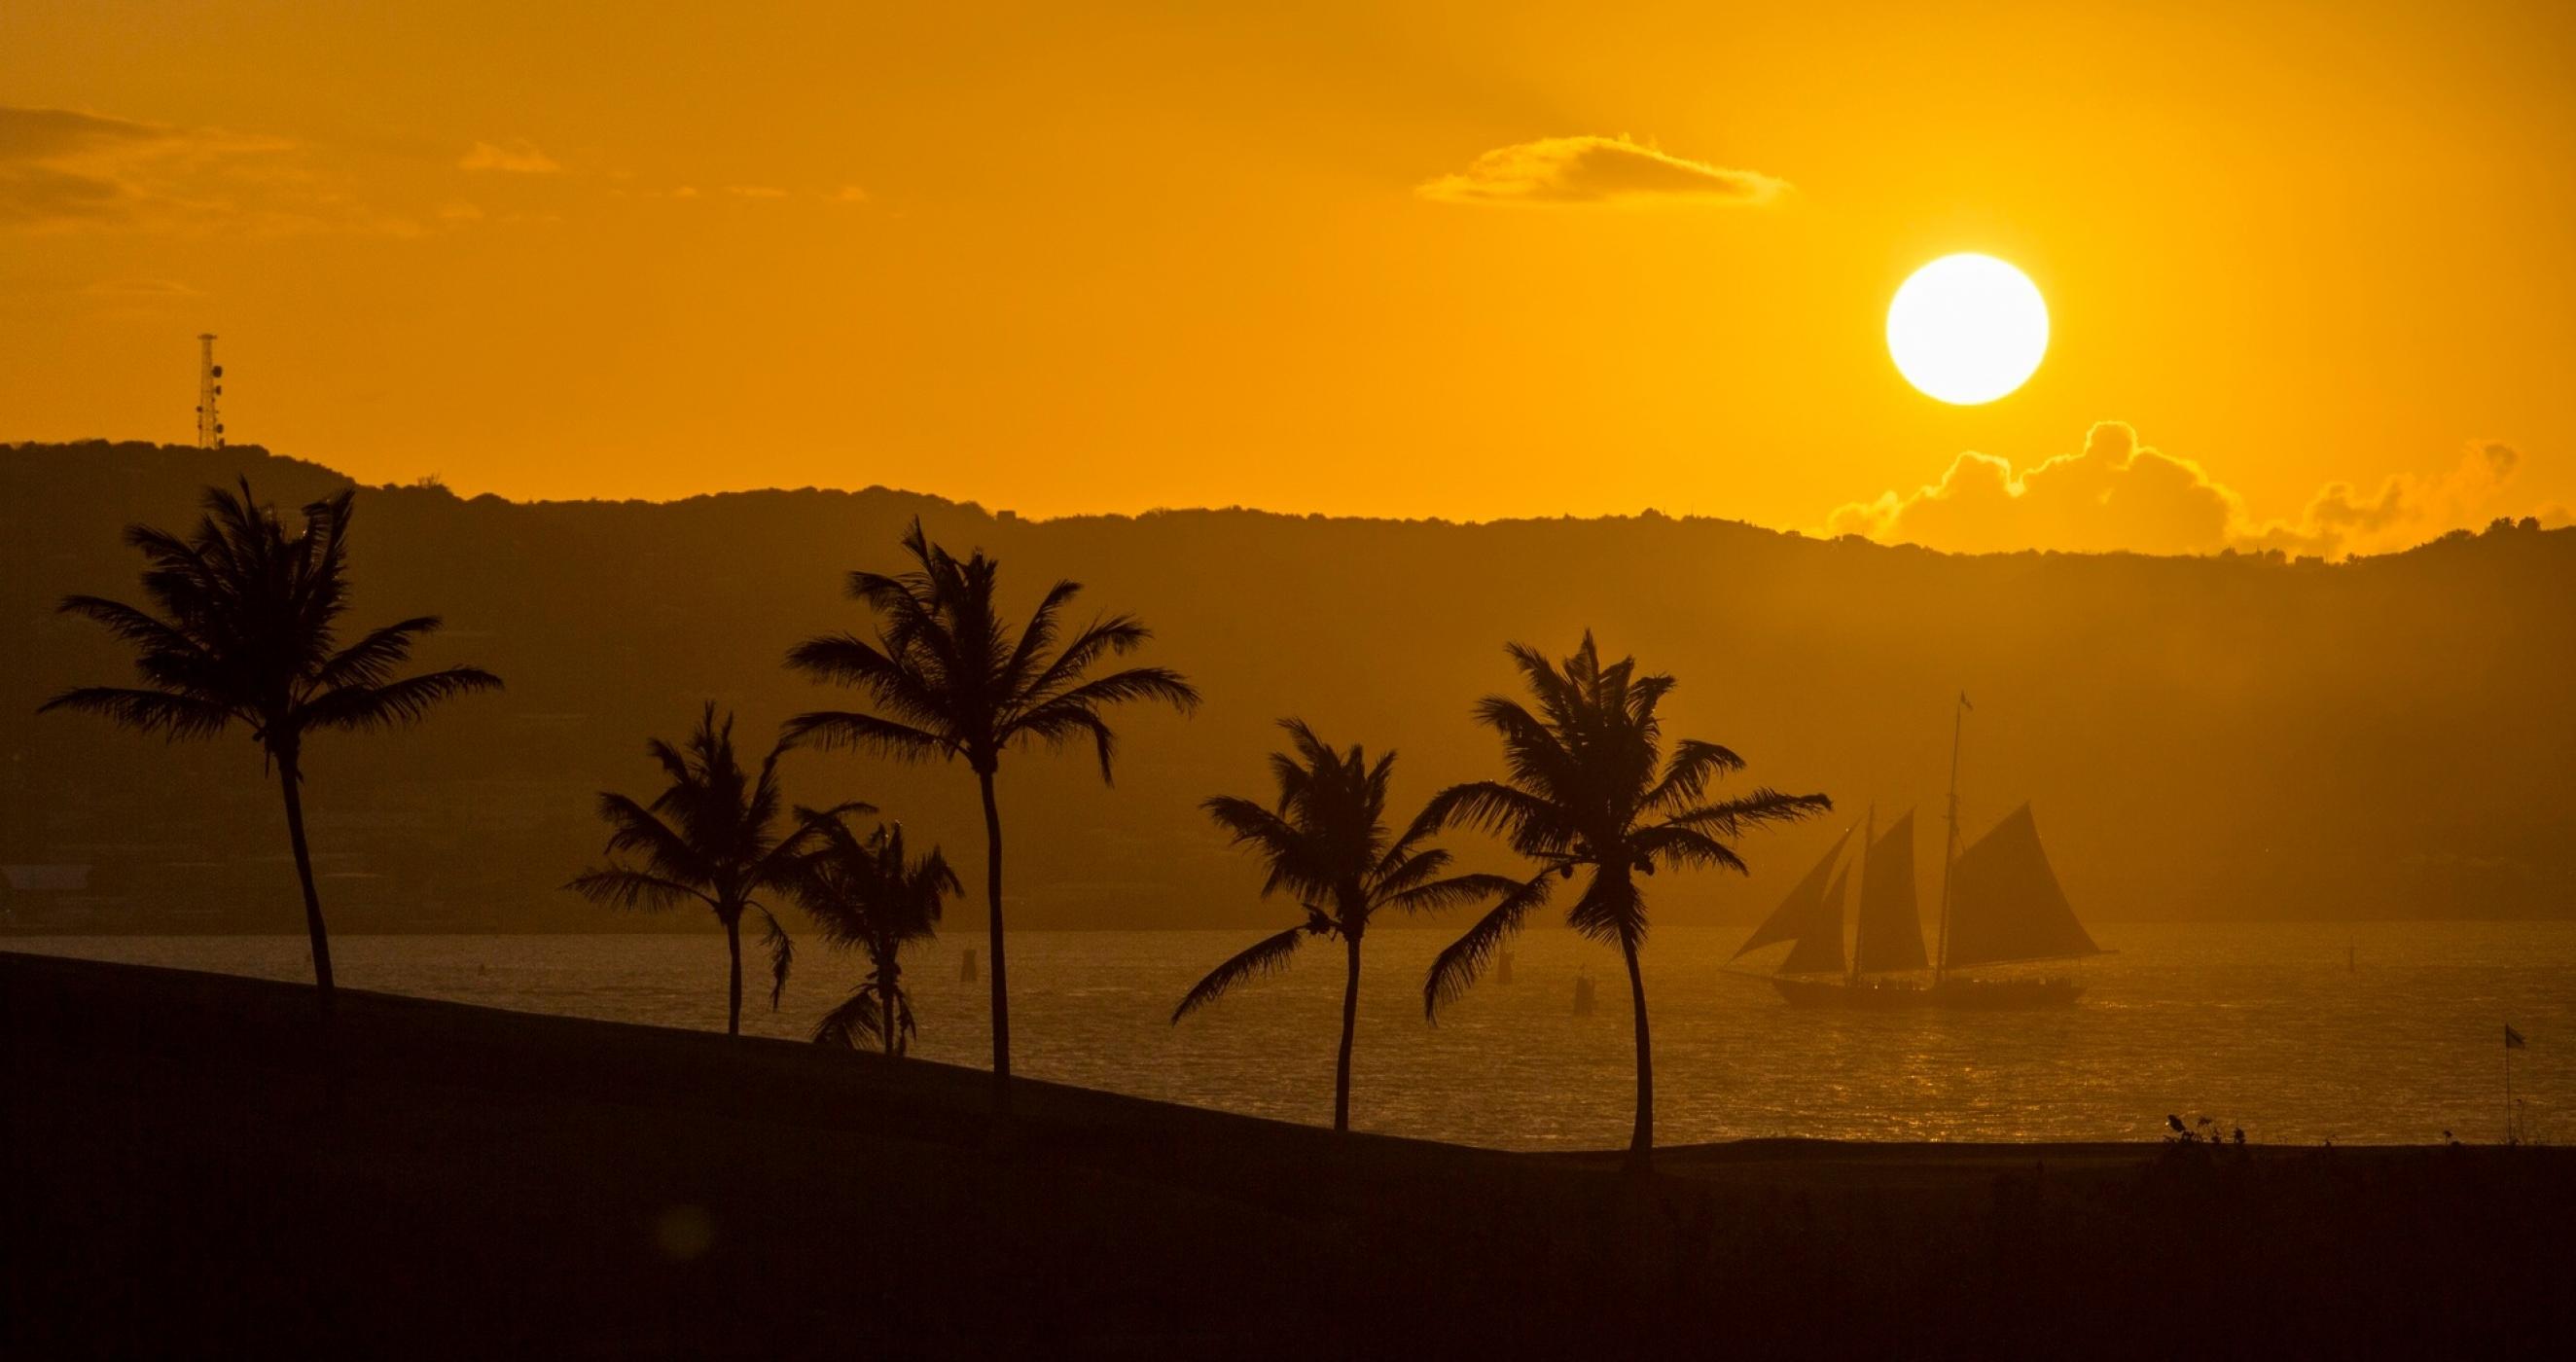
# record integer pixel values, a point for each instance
(1967, 995)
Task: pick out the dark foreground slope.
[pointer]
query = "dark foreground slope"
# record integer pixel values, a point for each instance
(178, 1182)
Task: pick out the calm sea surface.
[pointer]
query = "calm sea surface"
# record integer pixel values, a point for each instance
(2265, 1026)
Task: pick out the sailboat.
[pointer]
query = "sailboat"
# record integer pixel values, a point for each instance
(2000, 904)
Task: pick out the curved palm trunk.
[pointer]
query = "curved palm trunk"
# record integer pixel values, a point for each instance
(1641, 1140)
(733, 985)
(1001, 985)
(1350, 1024)
(290, 775)
(887, 1035)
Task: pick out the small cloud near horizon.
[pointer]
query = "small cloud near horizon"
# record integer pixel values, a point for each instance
(510, 156)
(1592, 170)
(2116, 494)
(141, 289)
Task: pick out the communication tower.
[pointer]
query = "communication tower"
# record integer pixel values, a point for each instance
(210, 386)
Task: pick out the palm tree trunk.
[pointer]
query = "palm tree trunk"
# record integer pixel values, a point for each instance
(1641, 1140)
(885, 1006)
(290, 775)
(1001, 985)
(733, 988)
(1350, 1023)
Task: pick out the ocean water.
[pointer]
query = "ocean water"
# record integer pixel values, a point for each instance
(2298, 1033)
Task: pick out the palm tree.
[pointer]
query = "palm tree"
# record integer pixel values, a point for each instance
(868, 894)
(714, 836)
(1589, 787)
(1326, 841)
(953, 680)
(245, 628)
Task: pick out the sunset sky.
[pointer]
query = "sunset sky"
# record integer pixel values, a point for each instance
(1467, 261)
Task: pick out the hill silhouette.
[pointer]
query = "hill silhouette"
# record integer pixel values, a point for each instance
(2227, 737)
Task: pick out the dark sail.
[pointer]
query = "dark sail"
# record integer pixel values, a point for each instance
(1812, 916)
(1820, 946)
(1890, 935)
(2005, 903)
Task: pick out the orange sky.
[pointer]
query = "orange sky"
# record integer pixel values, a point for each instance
(1072, 258)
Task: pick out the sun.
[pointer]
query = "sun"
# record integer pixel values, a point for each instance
(1967, 329)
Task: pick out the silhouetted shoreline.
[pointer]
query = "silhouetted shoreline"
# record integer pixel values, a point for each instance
(506, 1182)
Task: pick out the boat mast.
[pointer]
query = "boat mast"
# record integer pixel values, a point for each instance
(1860, 875)
(1950, 848)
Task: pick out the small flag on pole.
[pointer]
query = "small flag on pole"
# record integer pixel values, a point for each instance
(2512, 1039)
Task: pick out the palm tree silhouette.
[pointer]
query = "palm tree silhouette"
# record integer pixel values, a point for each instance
(713, 836)
(245, 628)
(1588, 786)
(955, 681)
(1325, 840)
(868, 894)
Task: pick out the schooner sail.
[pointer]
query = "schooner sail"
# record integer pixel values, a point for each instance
(1889, 933)
(2000, 904)
(2005, 903)
(1811, 916)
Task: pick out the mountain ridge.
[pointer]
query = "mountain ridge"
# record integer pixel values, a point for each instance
(2292, 686)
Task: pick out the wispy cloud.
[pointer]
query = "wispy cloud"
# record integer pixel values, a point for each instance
(1608, 171)
(67, 170)
(2116, 494)
(62, 167)
(141, 290)
(510, 156)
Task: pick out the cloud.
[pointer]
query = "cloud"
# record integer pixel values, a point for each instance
(1598, 170)
(65, 170)
(141, 289)
(59, 166)
(2115, 494)
(2408, 509)
(755, 191)
(510, 156)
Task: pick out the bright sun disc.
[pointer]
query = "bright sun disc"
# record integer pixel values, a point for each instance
(1967, 329)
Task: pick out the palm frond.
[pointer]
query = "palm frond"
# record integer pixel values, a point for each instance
(175, 717)
(130, 624)
(1517, 815)
(1268, 955)
(1076, 711)
(1459, 965)
(392, 704)
(1439, 895)
(1759, 809)
(1038, 635)
(1057, 725)
(1676, 844)
(1694, 764)
(1114, 636)
(782, 953)
(371, 660)
(621, 887)
(840, 728)
(855, 1019)
(1612, 910)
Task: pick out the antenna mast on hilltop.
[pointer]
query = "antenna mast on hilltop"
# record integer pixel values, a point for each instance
(210, 423)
